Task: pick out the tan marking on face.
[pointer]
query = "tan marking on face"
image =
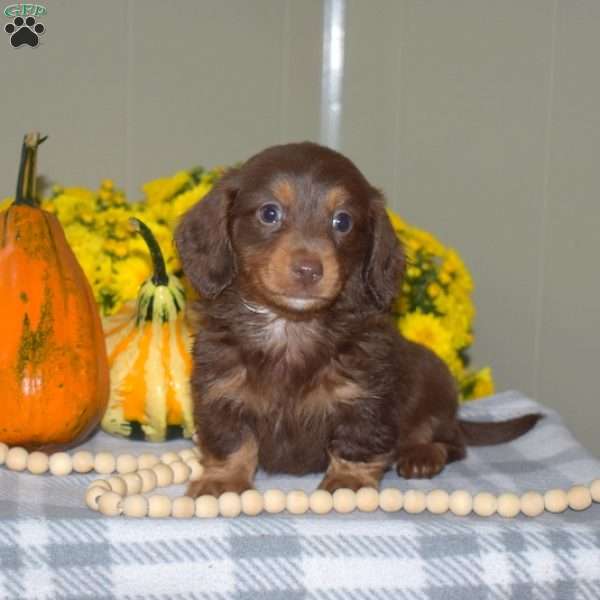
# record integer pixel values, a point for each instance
(335, 197)
(343, 473)
(275, 277)
(283, 189)
(234, 473)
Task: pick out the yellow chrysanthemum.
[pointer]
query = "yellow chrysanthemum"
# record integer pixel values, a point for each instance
(397, 223)
(484, 383)
(129, 274)
(427, 330)
(185, 201)
(160, 190)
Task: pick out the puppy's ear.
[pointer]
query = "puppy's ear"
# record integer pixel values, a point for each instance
(203, 242)
(384, 267)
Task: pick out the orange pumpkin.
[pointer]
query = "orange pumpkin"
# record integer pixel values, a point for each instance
(53, 368)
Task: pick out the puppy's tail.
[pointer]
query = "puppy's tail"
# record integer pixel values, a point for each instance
(487, 433)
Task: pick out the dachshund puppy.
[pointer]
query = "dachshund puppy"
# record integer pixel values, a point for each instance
(298, 366)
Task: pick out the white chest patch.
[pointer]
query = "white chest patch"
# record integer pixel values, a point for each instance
(275, 332)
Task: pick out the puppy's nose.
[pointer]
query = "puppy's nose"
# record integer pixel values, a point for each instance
(308, 270)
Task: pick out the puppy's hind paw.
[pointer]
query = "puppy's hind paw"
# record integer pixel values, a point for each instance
(421, 461)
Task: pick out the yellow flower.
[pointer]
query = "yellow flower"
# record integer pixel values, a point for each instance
(5, 203)
(129, 274)
(484, 383)
(397, 222)
(434, 290)
(428, 330)
(186, 200)
(160, 190)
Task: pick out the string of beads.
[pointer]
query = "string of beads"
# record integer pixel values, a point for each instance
(129, 477)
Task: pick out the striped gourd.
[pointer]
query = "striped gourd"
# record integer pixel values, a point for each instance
(148, 347)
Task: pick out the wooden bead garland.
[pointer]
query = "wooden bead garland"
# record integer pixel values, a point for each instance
(274, 501)
(37, 463)
(252, 502)
(484, 504)
(320, 502)
(297, 502)
(207, 507)
(128, 477)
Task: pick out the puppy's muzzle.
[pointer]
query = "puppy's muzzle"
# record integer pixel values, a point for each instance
(307, 269)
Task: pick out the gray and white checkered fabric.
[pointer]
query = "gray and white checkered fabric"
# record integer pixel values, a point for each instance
(52, 546)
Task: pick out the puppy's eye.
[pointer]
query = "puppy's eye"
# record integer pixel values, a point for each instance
(342, 221)
(270, 213)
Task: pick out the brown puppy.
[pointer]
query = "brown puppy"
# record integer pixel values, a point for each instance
(297, 365)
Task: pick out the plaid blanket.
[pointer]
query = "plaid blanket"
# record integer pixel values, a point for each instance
(52, 546)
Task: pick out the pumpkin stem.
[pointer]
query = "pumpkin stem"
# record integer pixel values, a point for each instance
(27, 180)
(160, 276)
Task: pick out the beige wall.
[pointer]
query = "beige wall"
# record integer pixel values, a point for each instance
(480, 120)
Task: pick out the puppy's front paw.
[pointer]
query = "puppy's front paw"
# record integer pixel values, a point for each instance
(333, 481)
(421, 461)
(215, 486)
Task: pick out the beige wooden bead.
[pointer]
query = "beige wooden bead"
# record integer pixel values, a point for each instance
(94, 492)
(147, 460)
(460, 503)
(169, 457)
(117, 485)
(181, 472)
(16, 459)
(509, 505)
(164, 475)
(296, 502)
(183, 507)
(149, 479)
(556, 501)
(320, 502)
(60, 464)
(532, 504)
(252, 502)
(3, 452)
(126, 463)
(367, 499)
(207, 507)
(274, 501)
(159, 506)
(414, 501)
(83, 461)
(391, 499)
(135, 505)
(484, 504)
(595, 490)
(579, 497)
(110, 504)
(100, 483)
(133, 482)
(104, 463)
(196, 469)
(438, 502)
(37, 463)
(186, 454)
(230, 504)
(344, 500)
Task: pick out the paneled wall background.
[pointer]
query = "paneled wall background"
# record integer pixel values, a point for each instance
(479, 119)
